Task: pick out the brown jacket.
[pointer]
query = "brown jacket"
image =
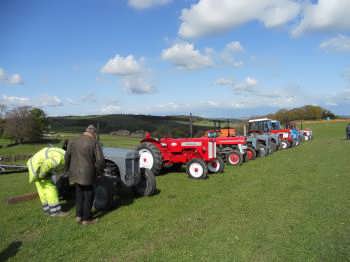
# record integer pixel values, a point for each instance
(84, 160)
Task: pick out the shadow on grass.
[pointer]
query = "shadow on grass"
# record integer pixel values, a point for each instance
(125, 196)
(10, 251)
(121, 195)
(176, 168)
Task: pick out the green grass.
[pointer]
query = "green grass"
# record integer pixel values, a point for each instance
(291, 206)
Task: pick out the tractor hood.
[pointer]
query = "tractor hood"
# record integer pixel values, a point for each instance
(116, 154)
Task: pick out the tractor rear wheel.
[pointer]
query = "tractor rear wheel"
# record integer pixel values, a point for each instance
(147, 185)
(261, 150)
(216, 165)
(251, 154)
(285, 144)
(104, 193)
(150, 157)
(234, 158)
(197, 169)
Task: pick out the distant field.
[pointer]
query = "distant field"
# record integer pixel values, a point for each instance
(291, 206)
(106, 140)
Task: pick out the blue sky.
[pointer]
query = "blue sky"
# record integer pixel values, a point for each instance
(212, 58)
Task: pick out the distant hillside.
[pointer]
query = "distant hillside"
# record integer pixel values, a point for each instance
(159, 125)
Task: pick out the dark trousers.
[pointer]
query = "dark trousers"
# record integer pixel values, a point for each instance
(84, 201)
(348, 136)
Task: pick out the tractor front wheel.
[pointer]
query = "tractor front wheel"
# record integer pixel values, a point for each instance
(251, 153)
(197, 169)
(147, 184)
(150, 157)
(285, 144)
(234, 158)
(216, 165)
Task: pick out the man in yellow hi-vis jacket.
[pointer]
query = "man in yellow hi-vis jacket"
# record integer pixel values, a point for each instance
(45, 163)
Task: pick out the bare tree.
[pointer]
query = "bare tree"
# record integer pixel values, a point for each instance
(23, 124)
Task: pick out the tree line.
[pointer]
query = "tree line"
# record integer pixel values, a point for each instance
(308, 112)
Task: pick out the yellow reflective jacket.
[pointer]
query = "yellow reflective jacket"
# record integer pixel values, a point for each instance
(47, 161)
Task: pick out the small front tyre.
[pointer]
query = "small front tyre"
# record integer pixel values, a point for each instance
(251, 153)
(216, 165)
(285, 144)
(234, 158)
(197, 169)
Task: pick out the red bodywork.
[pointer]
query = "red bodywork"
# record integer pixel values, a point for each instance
(224, 140)
(229, 140)
(182, 150)
(283, 134)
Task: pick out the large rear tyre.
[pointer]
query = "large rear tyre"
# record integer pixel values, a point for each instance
(216, 165)
(150, 157)
(104, 193)
(197, 169)
(234, 158)
(147, 185)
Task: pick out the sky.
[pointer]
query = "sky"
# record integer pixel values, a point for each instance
(164, 57)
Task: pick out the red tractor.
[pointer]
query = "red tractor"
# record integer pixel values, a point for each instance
(199, 155)
(233, 149)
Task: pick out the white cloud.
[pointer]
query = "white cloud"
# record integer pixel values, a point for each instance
(132, 73)
(325, 15)
(342, 97)
(211, 16)
(122, 66)
(70, 101)
(185, 56)
(245, 86)
(49, 101)
(229, 52)
(340, 43)
(90, 97)
(331, 104)
(143, 4)
(137, 85)
(110, 109)
(251, 81)
(224, 82)
(234, 46)
(346, 74)
(14, 79)
(15, 101)
(3, 75)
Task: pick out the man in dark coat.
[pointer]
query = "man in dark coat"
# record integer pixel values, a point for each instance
(348, 132)
(84, 161)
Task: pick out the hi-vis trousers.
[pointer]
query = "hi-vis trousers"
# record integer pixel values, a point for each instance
(48, 196)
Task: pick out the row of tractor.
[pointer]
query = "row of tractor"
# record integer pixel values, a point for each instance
(210, 153)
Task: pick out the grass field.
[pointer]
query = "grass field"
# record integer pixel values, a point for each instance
(291, 206)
